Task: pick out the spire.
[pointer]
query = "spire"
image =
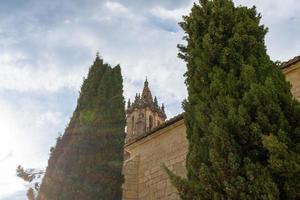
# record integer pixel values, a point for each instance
(155, 101)
(146, 95)
(136, 96)
(128, 104)
(163, 108)
(146, 81)
(145, 100)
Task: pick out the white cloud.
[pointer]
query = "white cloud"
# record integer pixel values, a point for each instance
(175, 14)
(41, 56)
(275, 10)
(29, 78)
(26, 136)
(116, 7)
(142, 5)
(50, 117)
(9, 183)
(282, 19)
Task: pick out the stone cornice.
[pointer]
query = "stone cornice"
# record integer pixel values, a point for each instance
(160, 128)
(290, 62)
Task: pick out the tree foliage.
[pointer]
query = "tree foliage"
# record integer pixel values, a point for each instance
(31, 176)
(87, 161)
(243, 125)
(28, 175)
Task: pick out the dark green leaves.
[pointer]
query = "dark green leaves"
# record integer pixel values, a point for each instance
(87, 162)
(237, 97)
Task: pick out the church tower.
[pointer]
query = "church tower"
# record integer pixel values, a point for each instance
(144, 114)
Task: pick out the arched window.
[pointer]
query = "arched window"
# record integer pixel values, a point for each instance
(150, 122)
(132, 123)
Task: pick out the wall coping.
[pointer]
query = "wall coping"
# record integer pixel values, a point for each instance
(160, 127)
(290, 62)
(179, 121)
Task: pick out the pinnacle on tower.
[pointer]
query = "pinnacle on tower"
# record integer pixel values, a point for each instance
(128, 103)
(163, 108)
(145, 100)
(155, 101)
(143, 114)
(146, 95)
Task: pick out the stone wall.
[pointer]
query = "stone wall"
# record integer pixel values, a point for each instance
(144, 177)
(292, 74)
(130, 189)
(166, 146)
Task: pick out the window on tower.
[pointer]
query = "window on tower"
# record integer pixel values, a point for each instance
(150, 122)
(132, 123)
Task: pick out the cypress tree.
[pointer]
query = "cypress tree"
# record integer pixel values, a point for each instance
(243, 125)
(87, 162)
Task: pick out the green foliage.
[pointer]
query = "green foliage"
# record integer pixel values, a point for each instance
(24, 174)
(87, 161)
(237, 97)
(87, 116)
(285, 163)
(28, 175)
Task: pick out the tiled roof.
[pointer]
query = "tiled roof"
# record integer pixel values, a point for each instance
(290, 62)
(162, 126)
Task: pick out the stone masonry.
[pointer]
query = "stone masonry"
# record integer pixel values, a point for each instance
(291, 70)
(153, 142)
(144, 177)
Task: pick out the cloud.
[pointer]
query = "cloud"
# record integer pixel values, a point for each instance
(43, 61)
(16, 74)
(6, 157)
(28, 128)
(274, 10)
(50, 117)
(283, 20)
(116, 7)
(143, 5)
(19, 195)
(166, 14)
(46, 51)
(46, 47)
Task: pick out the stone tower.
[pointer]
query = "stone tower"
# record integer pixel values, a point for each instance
(144, 114)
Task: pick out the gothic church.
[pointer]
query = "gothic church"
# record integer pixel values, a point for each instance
(152, 142)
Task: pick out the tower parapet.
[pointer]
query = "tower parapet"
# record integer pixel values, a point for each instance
(143, 114)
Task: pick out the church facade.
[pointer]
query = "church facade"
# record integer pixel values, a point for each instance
(291, 70)
(152, 142)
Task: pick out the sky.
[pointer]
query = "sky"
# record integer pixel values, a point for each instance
(47, 47)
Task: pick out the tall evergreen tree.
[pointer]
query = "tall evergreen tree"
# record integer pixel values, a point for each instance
(87, 161)
(243, 125)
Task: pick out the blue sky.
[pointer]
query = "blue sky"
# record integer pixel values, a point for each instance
(46, 48)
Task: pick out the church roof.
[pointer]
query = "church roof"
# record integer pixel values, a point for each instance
(290, 62)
